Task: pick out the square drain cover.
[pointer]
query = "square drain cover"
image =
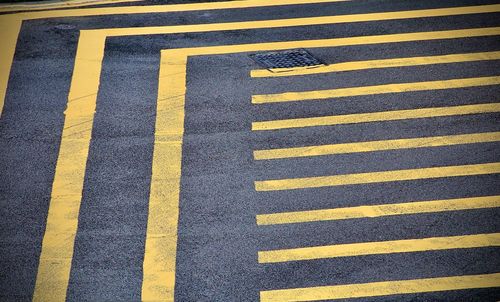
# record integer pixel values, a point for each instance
(286, 59)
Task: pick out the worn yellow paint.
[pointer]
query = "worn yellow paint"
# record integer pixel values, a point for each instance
(161, 235)
(372, 64)
(371, 146)
(381, 116)
(11, 26)
(6, 57)
(381, 247)
(57, 5)
(385, 288)
(372, 211)
(376, 177)
(373, 90)
(62, 220)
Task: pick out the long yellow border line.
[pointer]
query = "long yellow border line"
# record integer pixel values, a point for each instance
(65, 202)
(13, 22)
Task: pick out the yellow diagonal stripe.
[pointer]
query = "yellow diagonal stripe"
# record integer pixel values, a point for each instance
(421, 142)
(376, 116)
(376, 89)
(371, 64)
(376, 177)
(382, 247)
(375, 289)
(416, 207)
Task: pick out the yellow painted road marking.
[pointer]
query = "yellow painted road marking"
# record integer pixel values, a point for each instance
(382, 247)
(62, 221)
(382, 210)
(371, 146)
(84, 86)
(385, 288)
(161, 235)
(371, 64)
(376, 177)
(376, 89)
(394, 115)
(13, 23)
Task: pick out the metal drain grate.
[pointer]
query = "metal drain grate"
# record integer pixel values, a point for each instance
(286, 59)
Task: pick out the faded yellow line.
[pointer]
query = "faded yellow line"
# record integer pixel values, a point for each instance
(161, 235)
(371, 64)
(373, 90)
(385, 288)
(371, 146)
(376, 117)
(381, 247)
(62, 221)
(376, 177)
(382, 210)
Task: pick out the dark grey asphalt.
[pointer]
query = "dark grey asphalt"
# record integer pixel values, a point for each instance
(218, 235)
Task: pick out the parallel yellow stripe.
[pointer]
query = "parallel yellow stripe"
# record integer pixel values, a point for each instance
(161, 234)
(382, 247)
(371, 64)
(372, 90)
(62, 221)
(376, 177)
(376, 116)
(421, 142)
(386, 288)
(406, 208)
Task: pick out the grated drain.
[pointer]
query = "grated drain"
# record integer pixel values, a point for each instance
(286, 59)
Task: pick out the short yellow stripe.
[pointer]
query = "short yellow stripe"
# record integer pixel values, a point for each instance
(386, 288)
(406, 208)
(371, 64)
(421, 142)
(376, 116)
(372, 90)
(376, 177)
(382, 247)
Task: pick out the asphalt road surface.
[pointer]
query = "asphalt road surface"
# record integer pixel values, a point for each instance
(147, 154)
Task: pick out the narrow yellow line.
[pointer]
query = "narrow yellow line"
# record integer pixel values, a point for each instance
(376, 117)
(161, 235)
(11, 26)
(62, 221)
(382, 247)
(373, 211)
(385, 288)
(376, 177)
(371, 64)
(372, 90)
(421, 142)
